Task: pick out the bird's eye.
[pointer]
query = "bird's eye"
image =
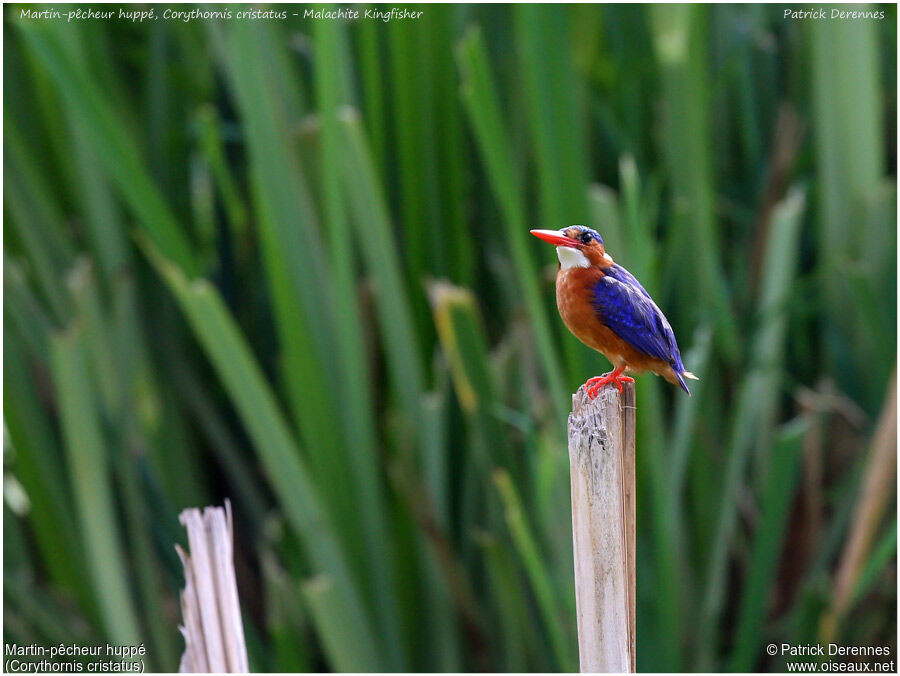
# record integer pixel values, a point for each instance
(586, 238)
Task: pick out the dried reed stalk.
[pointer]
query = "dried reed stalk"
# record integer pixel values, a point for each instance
(212, 629)
(601, 458)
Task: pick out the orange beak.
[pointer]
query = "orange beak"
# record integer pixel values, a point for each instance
(556, 239)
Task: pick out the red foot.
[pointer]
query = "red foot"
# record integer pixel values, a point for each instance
(593, 385)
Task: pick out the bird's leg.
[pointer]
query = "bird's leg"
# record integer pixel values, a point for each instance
(616, 377)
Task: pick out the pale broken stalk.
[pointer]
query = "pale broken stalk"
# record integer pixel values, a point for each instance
(212, 629)
(601, 459)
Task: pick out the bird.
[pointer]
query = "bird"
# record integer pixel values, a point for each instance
(608, 310)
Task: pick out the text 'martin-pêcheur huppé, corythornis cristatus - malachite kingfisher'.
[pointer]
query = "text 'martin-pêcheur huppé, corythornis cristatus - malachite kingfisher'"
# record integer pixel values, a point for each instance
(609, 311)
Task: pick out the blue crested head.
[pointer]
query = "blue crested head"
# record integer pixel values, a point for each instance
(585, 234)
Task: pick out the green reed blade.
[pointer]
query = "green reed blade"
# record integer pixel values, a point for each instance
(33, 226)
(212, 147)
(88, 467)
(483, 107)
(357, 411)
(372, 225)
(679, 41)
(464, 345)
(37, 461)
(548, 599)
(409, 106)
(298, 276)
(516, 633)
(455, 191)
(755, 406)
(346, 650)
(372, 68)
(26, 313)
(286, 622)
(116, 150)
(776, 499)
(883, 552)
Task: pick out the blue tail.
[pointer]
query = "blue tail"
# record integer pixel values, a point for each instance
(682, 383)
(681, 374)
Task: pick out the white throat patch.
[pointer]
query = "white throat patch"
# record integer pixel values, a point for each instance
(571, 258)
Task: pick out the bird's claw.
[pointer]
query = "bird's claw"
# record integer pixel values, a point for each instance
(616, 377)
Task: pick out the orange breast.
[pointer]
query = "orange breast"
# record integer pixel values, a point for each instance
(574, 296)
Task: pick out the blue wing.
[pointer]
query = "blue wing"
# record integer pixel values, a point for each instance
(625, 307)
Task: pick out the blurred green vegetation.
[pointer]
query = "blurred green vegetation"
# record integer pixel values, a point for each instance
(288, 263)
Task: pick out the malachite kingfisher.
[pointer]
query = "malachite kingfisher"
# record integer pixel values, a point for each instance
(609, 311)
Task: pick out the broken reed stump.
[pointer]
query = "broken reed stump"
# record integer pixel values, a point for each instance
(601, 460)
(213, 630)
